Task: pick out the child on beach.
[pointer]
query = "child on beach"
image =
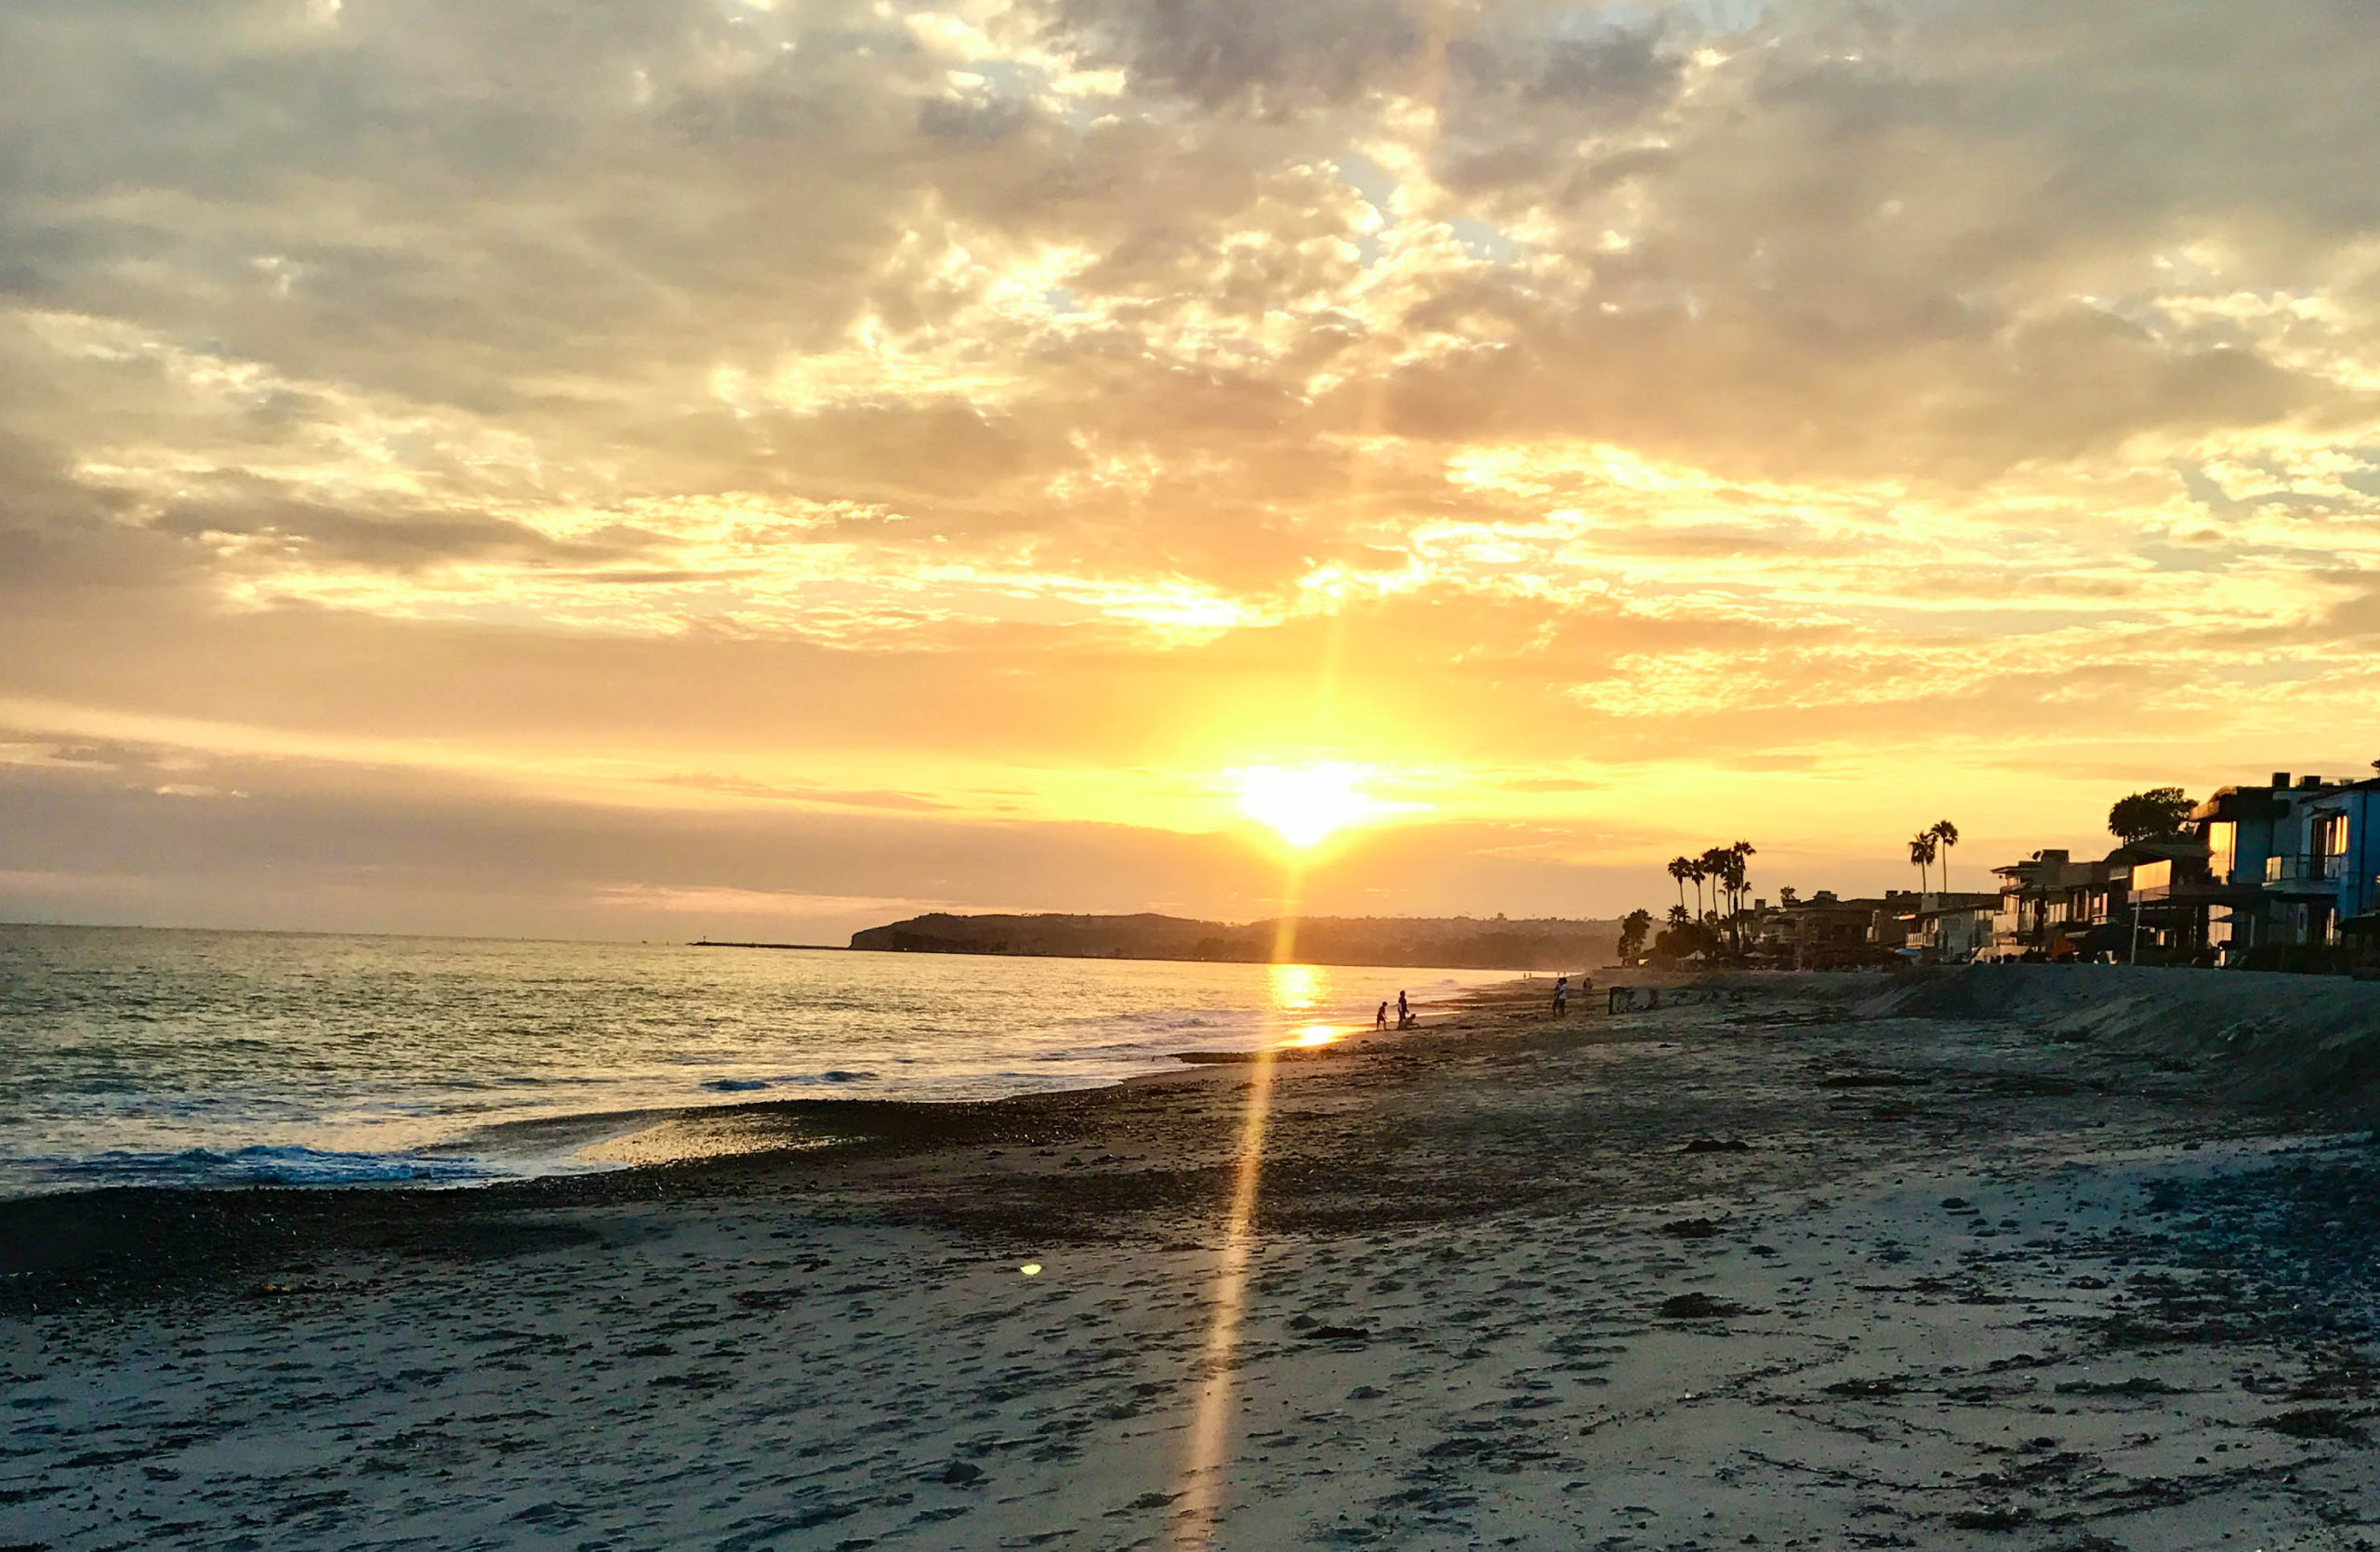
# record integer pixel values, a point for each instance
(1379, 1019)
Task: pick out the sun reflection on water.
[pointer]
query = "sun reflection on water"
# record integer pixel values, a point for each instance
(1297, 988)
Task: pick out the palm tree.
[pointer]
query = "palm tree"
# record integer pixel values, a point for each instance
(1946, 835)
(1921, 856)
(1739, 883)
(1634, 928)
(1679, 868)
(1714, 868)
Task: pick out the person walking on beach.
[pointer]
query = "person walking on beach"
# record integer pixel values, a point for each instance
(1404, 1011)
(1561, 996)
(1379, 1019)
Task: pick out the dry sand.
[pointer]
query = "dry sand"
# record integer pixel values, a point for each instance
(1992, 1267)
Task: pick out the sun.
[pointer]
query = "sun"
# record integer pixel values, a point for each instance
(1304, 804)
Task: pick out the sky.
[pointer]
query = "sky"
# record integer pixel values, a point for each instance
(651, 467)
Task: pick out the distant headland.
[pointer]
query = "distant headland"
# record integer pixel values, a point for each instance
(1452, 942)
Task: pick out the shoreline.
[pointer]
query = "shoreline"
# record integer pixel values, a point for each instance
(663, 1153)
(1793, 1262)
(479, 1154)
(145, 1237)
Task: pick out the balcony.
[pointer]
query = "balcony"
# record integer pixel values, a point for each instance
(2303, 873)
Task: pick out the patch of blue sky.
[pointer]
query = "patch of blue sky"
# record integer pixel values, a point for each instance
(2204, 489)
(1715, 18)
(1010, 78)
(1488, 242)
(1726, 16)
(1370, 180)
(1580, 22)
(1380, 189)
(2182, 557)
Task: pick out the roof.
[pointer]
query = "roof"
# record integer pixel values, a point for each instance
(2160, 848)
(2234, 803)
(1953, 905)
(2259, 802)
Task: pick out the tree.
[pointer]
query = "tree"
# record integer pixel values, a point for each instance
(2150, 815)
(1921, 850)
(1788, 896)
(1714, 868)
(1684, 940)
(1946, 835)
(1679, 868)
(1634, 928)
(1738, 883)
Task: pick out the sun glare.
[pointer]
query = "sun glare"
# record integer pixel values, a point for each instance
(1305, 804)
(1298, 987)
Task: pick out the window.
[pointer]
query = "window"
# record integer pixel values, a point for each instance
(2223, 844)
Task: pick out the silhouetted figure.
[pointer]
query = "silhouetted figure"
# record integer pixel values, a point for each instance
(1405, 1019)
(1561, 996)
(1379, 1019)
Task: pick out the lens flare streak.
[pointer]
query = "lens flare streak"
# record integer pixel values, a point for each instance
(1203, 1475)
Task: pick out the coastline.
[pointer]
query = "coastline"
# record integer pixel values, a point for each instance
(108, 1242)
(461, 1064)
(1687, 1277)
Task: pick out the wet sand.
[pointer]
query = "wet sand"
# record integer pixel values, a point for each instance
(1790, 1266)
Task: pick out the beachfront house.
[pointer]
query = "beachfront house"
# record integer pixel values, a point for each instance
(1932, 928)
(2292, 865)
(1954, 929)
(1892, 925)
(2144, 897)
(2040, 899)
(2166, 895)
(2054, 907)
(1821, 933)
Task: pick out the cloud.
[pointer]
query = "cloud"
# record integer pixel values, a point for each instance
(249, 517)
(1262, 59)
(859, 408)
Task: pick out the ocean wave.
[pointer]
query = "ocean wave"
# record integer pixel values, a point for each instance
(745, 1085)
(390, 1057)
(258, 1165)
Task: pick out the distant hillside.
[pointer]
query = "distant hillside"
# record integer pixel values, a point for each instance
(1457, 942)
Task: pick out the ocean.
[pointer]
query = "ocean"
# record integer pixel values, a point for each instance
(140, 1056)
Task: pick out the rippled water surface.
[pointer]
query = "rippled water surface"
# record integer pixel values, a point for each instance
(134, 1055)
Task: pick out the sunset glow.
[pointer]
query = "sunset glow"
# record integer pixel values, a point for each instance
(846, 461)
(1305, 804)
(1251, 636)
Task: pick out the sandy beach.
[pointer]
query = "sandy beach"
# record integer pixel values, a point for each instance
(2017, 1257)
